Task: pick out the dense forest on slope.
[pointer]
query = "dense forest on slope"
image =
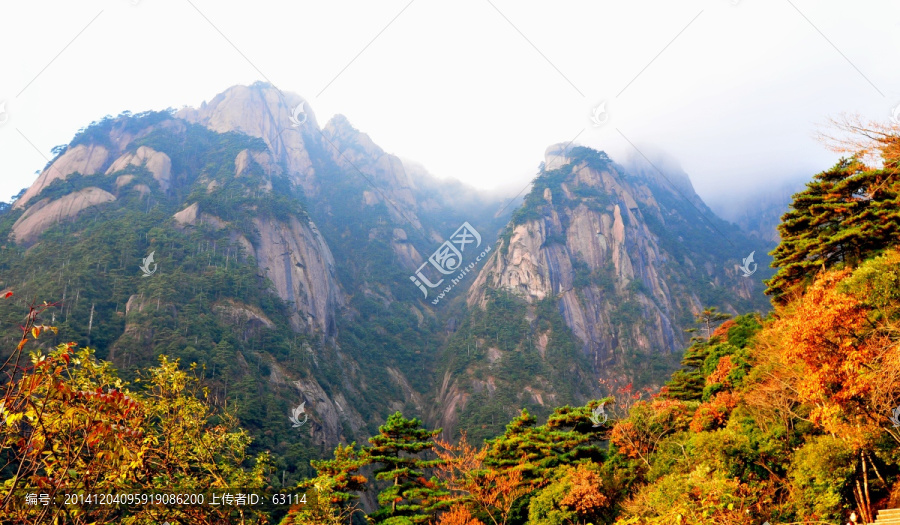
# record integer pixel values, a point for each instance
(194, 307)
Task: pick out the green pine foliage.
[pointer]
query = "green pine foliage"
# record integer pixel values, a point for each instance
(397, 449)
(844, 216)
(702, 357)
(495, 345)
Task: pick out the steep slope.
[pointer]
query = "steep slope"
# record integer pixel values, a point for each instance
(608, 266)
(623, 241)
(242, 281)
(381, 219)
(283, 253)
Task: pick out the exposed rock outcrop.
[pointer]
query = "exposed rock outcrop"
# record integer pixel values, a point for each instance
(354, 150)
(45, 212)
(159, 164)
(83, 159)
(298, 261)
(263, 111)
(591, 249)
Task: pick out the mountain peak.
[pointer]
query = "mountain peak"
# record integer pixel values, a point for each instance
(560, 154)
(252, 109)
(284, 120)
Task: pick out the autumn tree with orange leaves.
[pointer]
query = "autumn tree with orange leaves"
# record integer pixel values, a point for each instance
(458, 514)
(647, 424)
(491, 492)
(844, 334)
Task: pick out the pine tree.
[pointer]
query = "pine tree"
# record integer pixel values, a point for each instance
(341, 473)
(844, 216)
(567, 437)
(708, 316)
(397, 447)
(687, 384)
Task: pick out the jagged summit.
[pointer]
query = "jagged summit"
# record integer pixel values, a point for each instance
(250, 109)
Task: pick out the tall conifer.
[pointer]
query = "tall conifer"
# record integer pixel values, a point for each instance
(397, 447)
(845, 215)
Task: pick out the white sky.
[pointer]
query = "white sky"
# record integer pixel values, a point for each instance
(472, 89)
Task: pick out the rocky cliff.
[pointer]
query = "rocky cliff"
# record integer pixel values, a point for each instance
(625, 258)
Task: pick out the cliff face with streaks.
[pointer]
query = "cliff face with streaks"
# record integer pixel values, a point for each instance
(622, 257)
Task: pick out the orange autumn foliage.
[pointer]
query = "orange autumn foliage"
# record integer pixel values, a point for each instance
(714, 413)
(722, 330)
(825, 334)
(492, 491)
(720, 374)
(873, 141)
(585, 497)
(458, 515)
(647, 424)
(840, 357)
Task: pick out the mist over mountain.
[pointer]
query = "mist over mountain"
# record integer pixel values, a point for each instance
(304, 264)
(759, 212)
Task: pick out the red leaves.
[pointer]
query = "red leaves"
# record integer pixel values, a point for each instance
(722, 329)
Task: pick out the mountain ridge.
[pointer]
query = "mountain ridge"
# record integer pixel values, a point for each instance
(293, 247)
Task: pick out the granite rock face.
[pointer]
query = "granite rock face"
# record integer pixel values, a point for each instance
(83, 159)
(626, 256)
(159, 164)
(265, 112)
(45, 213)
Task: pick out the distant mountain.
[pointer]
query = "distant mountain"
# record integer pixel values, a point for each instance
(296, 263)
(759, 212)
(597, 275)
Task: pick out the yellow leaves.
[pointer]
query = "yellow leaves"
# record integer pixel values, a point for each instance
(84, 420)
(36, 330)
(12, 419)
